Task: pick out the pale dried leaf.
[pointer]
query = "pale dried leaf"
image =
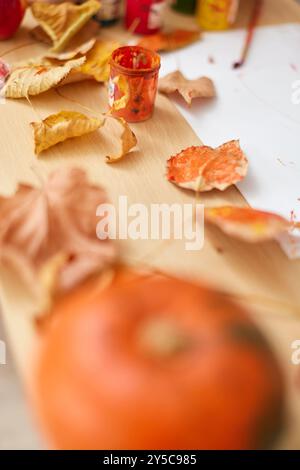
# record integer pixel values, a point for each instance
(49, 233)
(36, 79)
(203, 168)
(62, 126)
(248, 224)
(61, 22)
(202, 87)
(75, 53)
(123, 88)
(128, 141)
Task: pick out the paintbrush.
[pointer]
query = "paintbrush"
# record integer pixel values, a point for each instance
(250, 33)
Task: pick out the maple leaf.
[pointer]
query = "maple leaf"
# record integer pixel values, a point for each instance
(189, 89)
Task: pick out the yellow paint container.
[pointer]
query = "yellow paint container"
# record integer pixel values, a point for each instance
(214, 15)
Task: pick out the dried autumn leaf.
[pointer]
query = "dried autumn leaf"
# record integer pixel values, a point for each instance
(89, 31)
(97, 60)
(246, 223)
(96, 66)
(36, 79)
(48, 234)
(75, 53)
(62, 126)
(189, 89)
(169, 41)
(122, 85)
(128, 141)
(204, 168)
(61, 22)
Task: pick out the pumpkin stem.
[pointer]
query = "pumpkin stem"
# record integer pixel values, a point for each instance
(162, 338)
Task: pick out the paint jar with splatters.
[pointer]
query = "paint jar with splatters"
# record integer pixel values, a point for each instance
(214, 15)
(184, 6)
(144, 16)
(133, 83)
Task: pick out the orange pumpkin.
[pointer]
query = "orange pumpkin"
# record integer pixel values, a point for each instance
(155, 363)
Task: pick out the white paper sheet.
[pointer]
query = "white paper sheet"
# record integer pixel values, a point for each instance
(258, 104)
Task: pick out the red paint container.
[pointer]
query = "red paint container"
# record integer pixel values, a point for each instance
(144, 16)
(133, 83)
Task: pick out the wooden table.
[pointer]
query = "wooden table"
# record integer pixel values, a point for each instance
(260, 276)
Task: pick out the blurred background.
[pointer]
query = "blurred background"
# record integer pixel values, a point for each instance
(16, 428)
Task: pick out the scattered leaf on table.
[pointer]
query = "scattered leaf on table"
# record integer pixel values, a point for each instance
(89, 31)
(62, 126)
(121, 82)
(203, 168)
(75, 53)
(169, 41)
(51, 232)
(189, 89)
(96, 53)
(128, 141)
(97, 60)
(246, 223)
(36, 79)
(61, 22)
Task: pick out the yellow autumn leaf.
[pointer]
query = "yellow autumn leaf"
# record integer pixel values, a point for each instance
(61, 22)
(96, 66)
(128, 141)
(35, 79)
(62, 126)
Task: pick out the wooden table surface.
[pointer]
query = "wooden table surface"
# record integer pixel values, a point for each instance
(260, 276)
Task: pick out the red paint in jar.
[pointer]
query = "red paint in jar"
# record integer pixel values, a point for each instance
(133, 77)
(144, 16)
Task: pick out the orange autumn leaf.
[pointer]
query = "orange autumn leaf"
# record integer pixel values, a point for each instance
(246, 223)
(169, 41)
(203, 168)
(202, 87)
(51, 231)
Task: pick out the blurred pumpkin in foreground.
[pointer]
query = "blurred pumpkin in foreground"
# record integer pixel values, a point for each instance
(152, 362)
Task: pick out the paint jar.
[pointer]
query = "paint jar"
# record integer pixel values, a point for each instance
(144, 16)
(133, 83)
(185, 6)
(214, 15)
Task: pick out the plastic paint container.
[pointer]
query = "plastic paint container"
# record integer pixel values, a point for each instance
(133, 79)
